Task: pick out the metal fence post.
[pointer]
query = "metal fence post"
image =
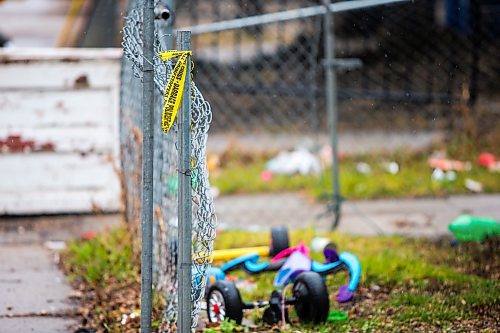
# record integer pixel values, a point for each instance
(331, 104)
(185, 210)
(147, 167)
(165, 27)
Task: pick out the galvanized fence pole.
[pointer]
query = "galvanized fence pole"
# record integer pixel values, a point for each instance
(331, 104)
(147, 167)
(185, 210)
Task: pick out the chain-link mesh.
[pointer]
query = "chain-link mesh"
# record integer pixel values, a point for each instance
(262, 78)
(423, 62)
(420, 56)
(165, 175)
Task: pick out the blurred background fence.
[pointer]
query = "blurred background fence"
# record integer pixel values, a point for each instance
(418, 59)
(427, 66)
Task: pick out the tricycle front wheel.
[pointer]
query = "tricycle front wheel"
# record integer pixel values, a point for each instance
(224, 301)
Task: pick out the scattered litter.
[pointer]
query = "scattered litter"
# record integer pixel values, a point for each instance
(486, 160)
(391, 167)
(440, 176)
(489, 161)
(473, 185)
(75, 294)
(335, 316)
(437, 175)
(448, 165)
(298, 161)
(129, 317)
(495, 167)
(172, 184)
(451, 176)
(55, 245)
(266, 176)
(467, 228)
(363, 168)
(325, 155)
(88, 235)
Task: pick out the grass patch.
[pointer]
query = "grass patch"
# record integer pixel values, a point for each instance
(241, 174)
(407, 284)
(106, 275)
(106, 257)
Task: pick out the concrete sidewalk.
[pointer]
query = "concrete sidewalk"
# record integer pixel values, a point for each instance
(428, 217)
(34, 294)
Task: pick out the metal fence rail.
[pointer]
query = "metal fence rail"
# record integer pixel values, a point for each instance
(287, 15)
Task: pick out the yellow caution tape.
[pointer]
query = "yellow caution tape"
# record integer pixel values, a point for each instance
(175, 87)
(169, 54)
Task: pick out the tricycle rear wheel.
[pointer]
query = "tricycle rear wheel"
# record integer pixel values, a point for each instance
(311, 298)
(279, 240)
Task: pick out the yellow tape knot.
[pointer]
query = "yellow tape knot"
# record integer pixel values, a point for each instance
(175, 87)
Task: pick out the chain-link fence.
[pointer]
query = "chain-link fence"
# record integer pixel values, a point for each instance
(167, 170)
(264, 77)
(421, 62)
(422, 54)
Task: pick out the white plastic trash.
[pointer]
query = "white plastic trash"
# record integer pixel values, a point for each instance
(473, 185)
(363, 168)
(298, 161)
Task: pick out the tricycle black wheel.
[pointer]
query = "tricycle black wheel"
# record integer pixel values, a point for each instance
(311, 298)
(279, 240)
(224, 301)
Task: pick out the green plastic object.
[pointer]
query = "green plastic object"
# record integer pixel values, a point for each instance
(335, 316)
(173, 183)
(468, 228)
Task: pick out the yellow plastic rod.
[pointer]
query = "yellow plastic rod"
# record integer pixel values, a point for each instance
(234, 253)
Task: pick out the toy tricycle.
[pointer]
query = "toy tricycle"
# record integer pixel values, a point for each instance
(309, 297)
(293, 266)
